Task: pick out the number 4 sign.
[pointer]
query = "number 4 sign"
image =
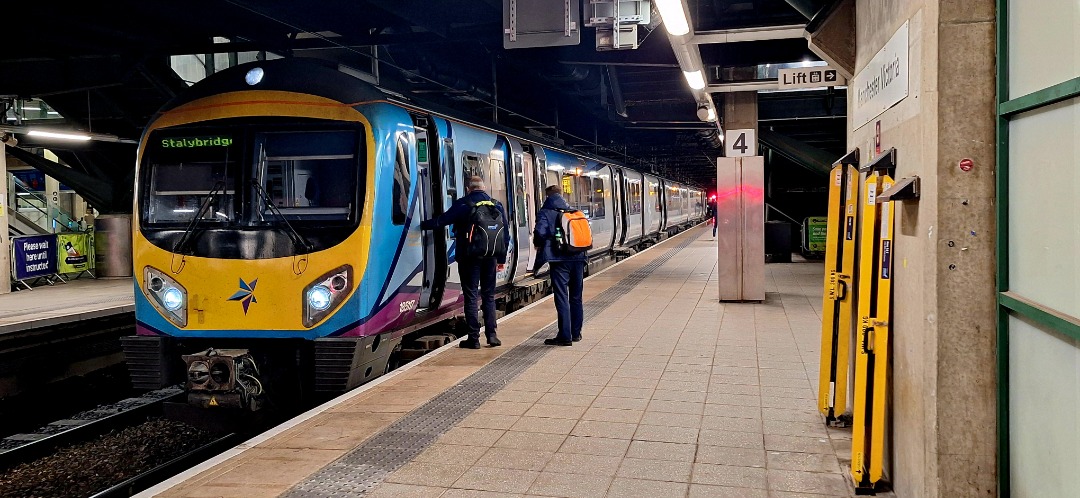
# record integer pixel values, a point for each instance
(740, 143)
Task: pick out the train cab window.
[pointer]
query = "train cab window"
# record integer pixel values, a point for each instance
(308, 175)
(190, 174)
(402, 181)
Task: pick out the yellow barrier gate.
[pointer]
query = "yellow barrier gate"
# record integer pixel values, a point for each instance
(838, 296)
(875, 307)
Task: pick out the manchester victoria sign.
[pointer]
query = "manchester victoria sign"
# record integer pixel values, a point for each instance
(884, 81)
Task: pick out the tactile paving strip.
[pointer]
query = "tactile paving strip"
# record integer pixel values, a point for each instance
(365, 467)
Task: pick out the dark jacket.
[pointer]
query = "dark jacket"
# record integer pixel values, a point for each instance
(544, 232)
(458, 215)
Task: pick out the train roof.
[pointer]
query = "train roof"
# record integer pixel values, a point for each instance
(324, 78)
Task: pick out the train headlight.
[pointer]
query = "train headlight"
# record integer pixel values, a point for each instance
(172, 299)
(319, 298)
(254, 76)
(326, 293)
(166, 294)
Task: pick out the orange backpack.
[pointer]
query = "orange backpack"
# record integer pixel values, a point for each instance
(573, 232)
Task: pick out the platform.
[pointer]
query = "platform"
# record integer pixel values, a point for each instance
(75, 300)
(670, 393)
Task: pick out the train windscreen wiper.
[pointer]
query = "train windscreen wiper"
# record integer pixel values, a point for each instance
(185, 239)
(293, 234)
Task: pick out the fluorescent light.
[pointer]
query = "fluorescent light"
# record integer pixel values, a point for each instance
(695, 79)
(671, 11)
(64, 136)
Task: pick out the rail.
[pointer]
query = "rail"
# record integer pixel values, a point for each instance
(24, 448)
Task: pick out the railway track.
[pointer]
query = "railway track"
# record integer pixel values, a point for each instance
(26, 447)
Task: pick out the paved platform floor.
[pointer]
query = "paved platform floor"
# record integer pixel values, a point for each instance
(77, 299)
(670, 393)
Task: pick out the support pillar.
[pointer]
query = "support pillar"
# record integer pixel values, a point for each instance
(5, 240)
(741, 113)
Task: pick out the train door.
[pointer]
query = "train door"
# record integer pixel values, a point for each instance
(432, 194)
(524, 190)
(625, 200)
(612, 194)
(452, 186)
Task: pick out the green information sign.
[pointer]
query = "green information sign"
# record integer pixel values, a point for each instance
(817, 233)
(421, 151)
(74, 252)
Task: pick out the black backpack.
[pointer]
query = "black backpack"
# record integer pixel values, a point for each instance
(485, 232)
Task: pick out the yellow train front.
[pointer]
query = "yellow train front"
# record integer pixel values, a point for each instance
(276, 247)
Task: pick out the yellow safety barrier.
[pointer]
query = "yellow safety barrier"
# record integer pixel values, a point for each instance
(874, 325)
(838, 296)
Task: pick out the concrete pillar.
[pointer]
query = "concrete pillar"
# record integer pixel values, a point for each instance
(52, 202)
(943, 392)
(112, 246)
(5, 241)
(741, 112)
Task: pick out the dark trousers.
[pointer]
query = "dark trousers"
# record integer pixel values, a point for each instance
(567, 279)
(478, 277)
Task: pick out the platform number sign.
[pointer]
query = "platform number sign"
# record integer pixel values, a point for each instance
(740, 143)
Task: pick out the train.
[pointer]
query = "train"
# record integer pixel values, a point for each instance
(276, 241)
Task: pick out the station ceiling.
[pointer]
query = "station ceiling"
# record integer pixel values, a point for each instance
(106, 69)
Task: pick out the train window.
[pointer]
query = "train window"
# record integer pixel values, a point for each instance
(309, 175)
(496, 178)
(595, 196)
(634, 194)
(188, 173)
(519, 194)
(472, 165)
(402, 181)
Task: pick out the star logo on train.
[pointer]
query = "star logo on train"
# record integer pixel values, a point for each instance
(246, 294)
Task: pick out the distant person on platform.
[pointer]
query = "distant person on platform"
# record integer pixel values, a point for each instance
(567, 269)
(474, 272)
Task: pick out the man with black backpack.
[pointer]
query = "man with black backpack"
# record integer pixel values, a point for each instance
(482, 239)
(561, 239)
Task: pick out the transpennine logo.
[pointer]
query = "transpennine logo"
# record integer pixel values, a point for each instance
(246, 294)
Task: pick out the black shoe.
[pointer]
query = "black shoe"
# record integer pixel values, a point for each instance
(558, 342)
(578, 338)
(494, 341)
(469, 344)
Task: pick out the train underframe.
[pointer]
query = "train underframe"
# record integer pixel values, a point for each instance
(253, 374)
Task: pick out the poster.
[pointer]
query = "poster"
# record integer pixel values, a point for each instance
(74, 252)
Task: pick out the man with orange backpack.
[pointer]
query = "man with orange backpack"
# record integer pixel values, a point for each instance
(563, 238)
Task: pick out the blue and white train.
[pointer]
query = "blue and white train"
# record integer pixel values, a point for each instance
(277, 217)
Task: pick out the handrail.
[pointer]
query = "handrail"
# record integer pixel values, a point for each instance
(793, 220)
(61, 217)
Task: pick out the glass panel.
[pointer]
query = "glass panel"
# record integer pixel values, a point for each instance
(496, 180)
(184, 168)
(1044, 398)
(402, 181)
(519, 194)
(1044, 44)
(472, 166)
(310, 174)
(1044, 209)
(635, 197)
